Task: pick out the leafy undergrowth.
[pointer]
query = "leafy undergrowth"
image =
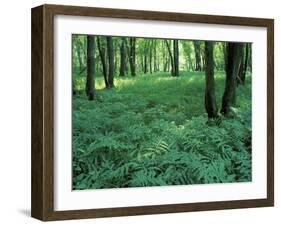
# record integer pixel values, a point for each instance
(152, 130)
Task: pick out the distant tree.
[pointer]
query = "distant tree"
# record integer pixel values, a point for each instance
(240, 79)
(132, 57)
(197, 52)
(145, 64)
(202, 56)
(110, 53)
(171, 56)
(164, 56)
(210, 95)
(249, 46)
(102, 50)
(245, 63)
(145, 53)
(225, 55)
(77, 47)
(150, 51)
(155, 59)
(187, 49)
(234, 54)
(176, 57)
(90, 83)
(122, 57)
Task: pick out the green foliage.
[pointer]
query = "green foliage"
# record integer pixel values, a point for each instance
(146, 132)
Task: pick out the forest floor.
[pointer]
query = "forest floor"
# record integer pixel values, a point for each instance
(152, 130)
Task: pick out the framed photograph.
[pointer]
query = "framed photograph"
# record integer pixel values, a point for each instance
(141, 112)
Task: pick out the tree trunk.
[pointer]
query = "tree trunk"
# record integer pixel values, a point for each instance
(78, 52)
(176, 58)
(245, 63)
(210, 95)
(225, 56)
(122, 58)
(132, 58)
(234, 53)
(90, 83)
(145, 63)
(150, 56)
(164, 61)
(110, 54)
(249, 64)
(197, 55)
(155, 65)
(241, 67)
(171, 57)
(103, 62)
(84, 49)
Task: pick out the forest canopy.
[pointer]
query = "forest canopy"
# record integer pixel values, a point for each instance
(154, 112)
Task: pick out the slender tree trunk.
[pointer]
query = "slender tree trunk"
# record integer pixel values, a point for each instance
(84, 49)
(132, 58)
(110, 53)
(78, 52)
(197, 55)
(171, 57)
(250, 57)
(245, 63)
(164, 62)
(168, 65)
(241, 67)
(142, 62)
(189, 62)
(155, 56)
(122, 58)
(210, 95)
(176, 57)
(225, 56)
(116, 63)
(234, 53)
(202, 57)
(150, 56)
(103, 62)
(145, 63)
(90, 83)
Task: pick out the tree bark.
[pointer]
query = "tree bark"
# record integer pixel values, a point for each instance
(234, 53)
(210, 95)
(90, 83)
(122, 58)
(132, 58)
(103, 62)
(110, 53)
(176, 57)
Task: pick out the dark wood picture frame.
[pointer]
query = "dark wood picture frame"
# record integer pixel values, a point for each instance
(42, 203)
